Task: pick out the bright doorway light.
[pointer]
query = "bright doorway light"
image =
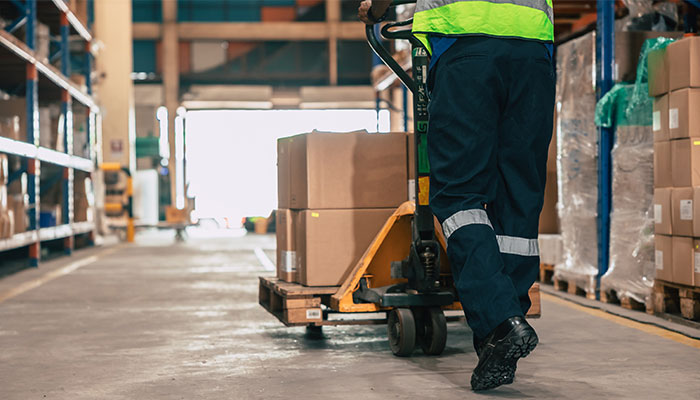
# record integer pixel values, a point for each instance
(232, 154)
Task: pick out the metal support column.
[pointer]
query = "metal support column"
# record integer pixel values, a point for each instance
(605, 59)
(32, 164)
(67, 126)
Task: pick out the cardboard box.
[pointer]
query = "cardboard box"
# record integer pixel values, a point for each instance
(628, 45)
(286, 245)
(663, 257)
(684, 63)
(682, 211)
(549, 217)
(660, 119)
(348, 170)
(657, 65)
(683, 260)
(662, 211)
(174, 215)
(663, 176)
(13, 114)
(19, 205)
(331, 242)
(284, 172)
(685, 162)
(684, 113)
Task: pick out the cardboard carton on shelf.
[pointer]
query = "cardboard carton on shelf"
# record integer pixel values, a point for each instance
(662, 211)
(684, 63)
(685, 162)
(346, 170)
(286, 245)
(684, 113)
(628, 45)
(330, 242)
(683, 260)
(663, 254)
(19, 204)
(663, 176)
(682, 211)
(657, 66)
(660, 119)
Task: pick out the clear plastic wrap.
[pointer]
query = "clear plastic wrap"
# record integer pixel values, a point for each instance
(628, 108)
(577, 162)
(631, 269)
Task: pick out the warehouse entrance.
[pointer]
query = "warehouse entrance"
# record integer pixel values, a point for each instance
(232, 154)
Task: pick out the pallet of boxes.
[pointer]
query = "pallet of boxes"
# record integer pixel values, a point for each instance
(674, 81)
(336, 191)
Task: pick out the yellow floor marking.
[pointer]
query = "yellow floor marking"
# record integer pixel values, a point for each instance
(651, 329)
(57, 273)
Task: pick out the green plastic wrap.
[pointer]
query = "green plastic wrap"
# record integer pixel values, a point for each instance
(641, 85)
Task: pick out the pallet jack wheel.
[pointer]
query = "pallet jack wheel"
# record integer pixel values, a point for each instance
(433, 331)
(401, 327)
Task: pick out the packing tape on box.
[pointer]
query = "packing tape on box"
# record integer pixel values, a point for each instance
(659, 259)
(697, 263)
(658, 214)
(288, 263)
(412, 190)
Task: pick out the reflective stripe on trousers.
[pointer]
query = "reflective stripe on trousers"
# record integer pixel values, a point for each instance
(507, 244)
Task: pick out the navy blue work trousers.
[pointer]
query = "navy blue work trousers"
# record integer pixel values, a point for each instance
(491, 110)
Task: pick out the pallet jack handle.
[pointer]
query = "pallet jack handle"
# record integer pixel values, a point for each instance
(388, 33)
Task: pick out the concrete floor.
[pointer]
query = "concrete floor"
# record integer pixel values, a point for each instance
(160, 320)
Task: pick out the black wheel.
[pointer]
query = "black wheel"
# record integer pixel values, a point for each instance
(314, 332)
(433, 331)
(401, 327)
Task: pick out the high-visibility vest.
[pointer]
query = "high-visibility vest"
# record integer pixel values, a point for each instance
(524, 19)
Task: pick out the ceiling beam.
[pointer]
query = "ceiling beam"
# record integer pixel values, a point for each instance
(255, 31)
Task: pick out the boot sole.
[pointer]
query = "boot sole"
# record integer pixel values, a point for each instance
(503, 373)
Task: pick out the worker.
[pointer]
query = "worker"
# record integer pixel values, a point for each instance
(491, 84)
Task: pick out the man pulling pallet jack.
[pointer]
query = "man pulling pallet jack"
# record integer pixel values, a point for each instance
(491, 86)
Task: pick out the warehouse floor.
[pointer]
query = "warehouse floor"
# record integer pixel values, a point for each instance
(165, 320)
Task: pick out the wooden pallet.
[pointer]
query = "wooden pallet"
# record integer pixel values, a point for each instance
(611, 296)
(573, 286)
(546, 273)
(291, 303)
(672, 298)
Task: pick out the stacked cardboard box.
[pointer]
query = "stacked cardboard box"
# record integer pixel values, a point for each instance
(674, 80)
(83, 200)
(336, 191)
(6, 215)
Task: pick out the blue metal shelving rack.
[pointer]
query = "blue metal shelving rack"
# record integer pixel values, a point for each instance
(605, 61)
(15, 54)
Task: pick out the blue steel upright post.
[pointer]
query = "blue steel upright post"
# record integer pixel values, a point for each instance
(605, 59)
(67, 112)
(32, 164)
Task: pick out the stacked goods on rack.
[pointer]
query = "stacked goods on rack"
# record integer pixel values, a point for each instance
(628, 109)
(6, 214)
(577, 165)
(83, 200)
(18, 202)
(336, 191)
(674, 73)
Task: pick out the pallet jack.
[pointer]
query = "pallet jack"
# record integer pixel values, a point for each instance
(417, 314)
(404, 272)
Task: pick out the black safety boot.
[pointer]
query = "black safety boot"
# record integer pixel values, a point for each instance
(499, 353)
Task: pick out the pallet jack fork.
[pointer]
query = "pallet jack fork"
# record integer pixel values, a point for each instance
(403, 269)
